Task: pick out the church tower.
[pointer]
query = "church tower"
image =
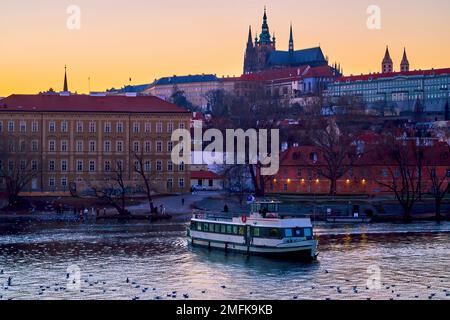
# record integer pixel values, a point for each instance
(404, 65)
(66, 87)
(291, 41)
(387, 66)
(264, 46)
(250, 56)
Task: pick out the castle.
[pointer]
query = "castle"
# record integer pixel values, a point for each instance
(262, 55)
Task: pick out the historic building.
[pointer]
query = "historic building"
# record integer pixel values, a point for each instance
(78, 140)
(262, 54)
(398, 91)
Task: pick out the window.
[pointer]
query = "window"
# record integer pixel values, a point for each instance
(79, 165)
(92, 146)
(63, 182)
(137, 166)
(170, 146)
(107, 166)
(51, 165)
(34, 165)
(148, 127)
(148, 146)
(64, 146)
(169, 183)
(119, 127)
(159, 146)
(1, 126)
(159, 165)
(107, 128)
(52, 126)
(107, 146)
(147, 166)
(136, 127)
(34, 145)
(79, 127)
(79, 146)
(92, 127)
(64, 166)
(11, 126)
(92, 165)
(181, 166)
(448, 173)
(52, 146)
(136, 146)
(159, 127)
(23, 126)
(119, 146)
(169, 166)
(181, 183)
(64, 126)
(23, 164)
(51, 182)
(181, 125)
(23, 146)
(170, 127)
(119, 165)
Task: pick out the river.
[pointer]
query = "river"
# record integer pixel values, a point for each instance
(139, 260)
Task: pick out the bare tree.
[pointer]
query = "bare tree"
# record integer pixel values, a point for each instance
(17, 173)
(112, 190)
(402, 160)
(143, 168)
(337, 149)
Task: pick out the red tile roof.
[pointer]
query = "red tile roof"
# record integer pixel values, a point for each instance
(205, 175)
(86, 103)
(375, 76)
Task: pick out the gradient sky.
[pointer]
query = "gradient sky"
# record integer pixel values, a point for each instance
(147, 39)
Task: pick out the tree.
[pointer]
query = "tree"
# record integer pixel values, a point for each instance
(142, 167)
(440, 187)
(402, 160)
(17, 173)
(178, 97)
(112, 190)
(336, 148)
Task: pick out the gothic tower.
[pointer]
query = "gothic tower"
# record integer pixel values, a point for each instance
(264, 46)
(250, 54)
(291, 41)
(387, 66)
(404, 65)
(66, 87)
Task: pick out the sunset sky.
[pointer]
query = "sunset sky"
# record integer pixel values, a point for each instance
(148, 39)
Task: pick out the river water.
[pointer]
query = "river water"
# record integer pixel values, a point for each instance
(72, 260)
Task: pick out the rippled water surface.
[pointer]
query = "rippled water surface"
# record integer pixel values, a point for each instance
(413, 261)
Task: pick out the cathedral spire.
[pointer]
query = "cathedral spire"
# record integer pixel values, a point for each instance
(404, 65)
(66, 87)
(265, 33)
(250, 37)
(291, 40)
(387, 65)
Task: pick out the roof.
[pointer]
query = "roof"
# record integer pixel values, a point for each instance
(312, 56)
(131, 89)
(186, 79)
(205, 175)
(292, 74)
(86, 103)
(376, 76)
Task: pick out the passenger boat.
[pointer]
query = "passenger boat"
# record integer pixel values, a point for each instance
(263, 232)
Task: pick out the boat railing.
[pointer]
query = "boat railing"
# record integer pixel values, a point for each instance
(213, 217)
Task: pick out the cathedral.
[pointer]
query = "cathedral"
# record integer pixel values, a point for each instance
(262, 54)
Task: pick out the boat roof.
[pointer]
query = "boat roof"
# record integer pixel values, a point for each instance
(260, 222)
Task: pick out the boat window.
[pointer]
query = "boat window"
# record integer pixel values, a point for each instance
(223, 228)
(241, 231)
(211, 227)
(274, 233)
(229, 229)
(298, 232)
(217, 228)
(205, 226)
(199, 226)
(308, 232)
(288, 233)
(256, 232)
(235, 229)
